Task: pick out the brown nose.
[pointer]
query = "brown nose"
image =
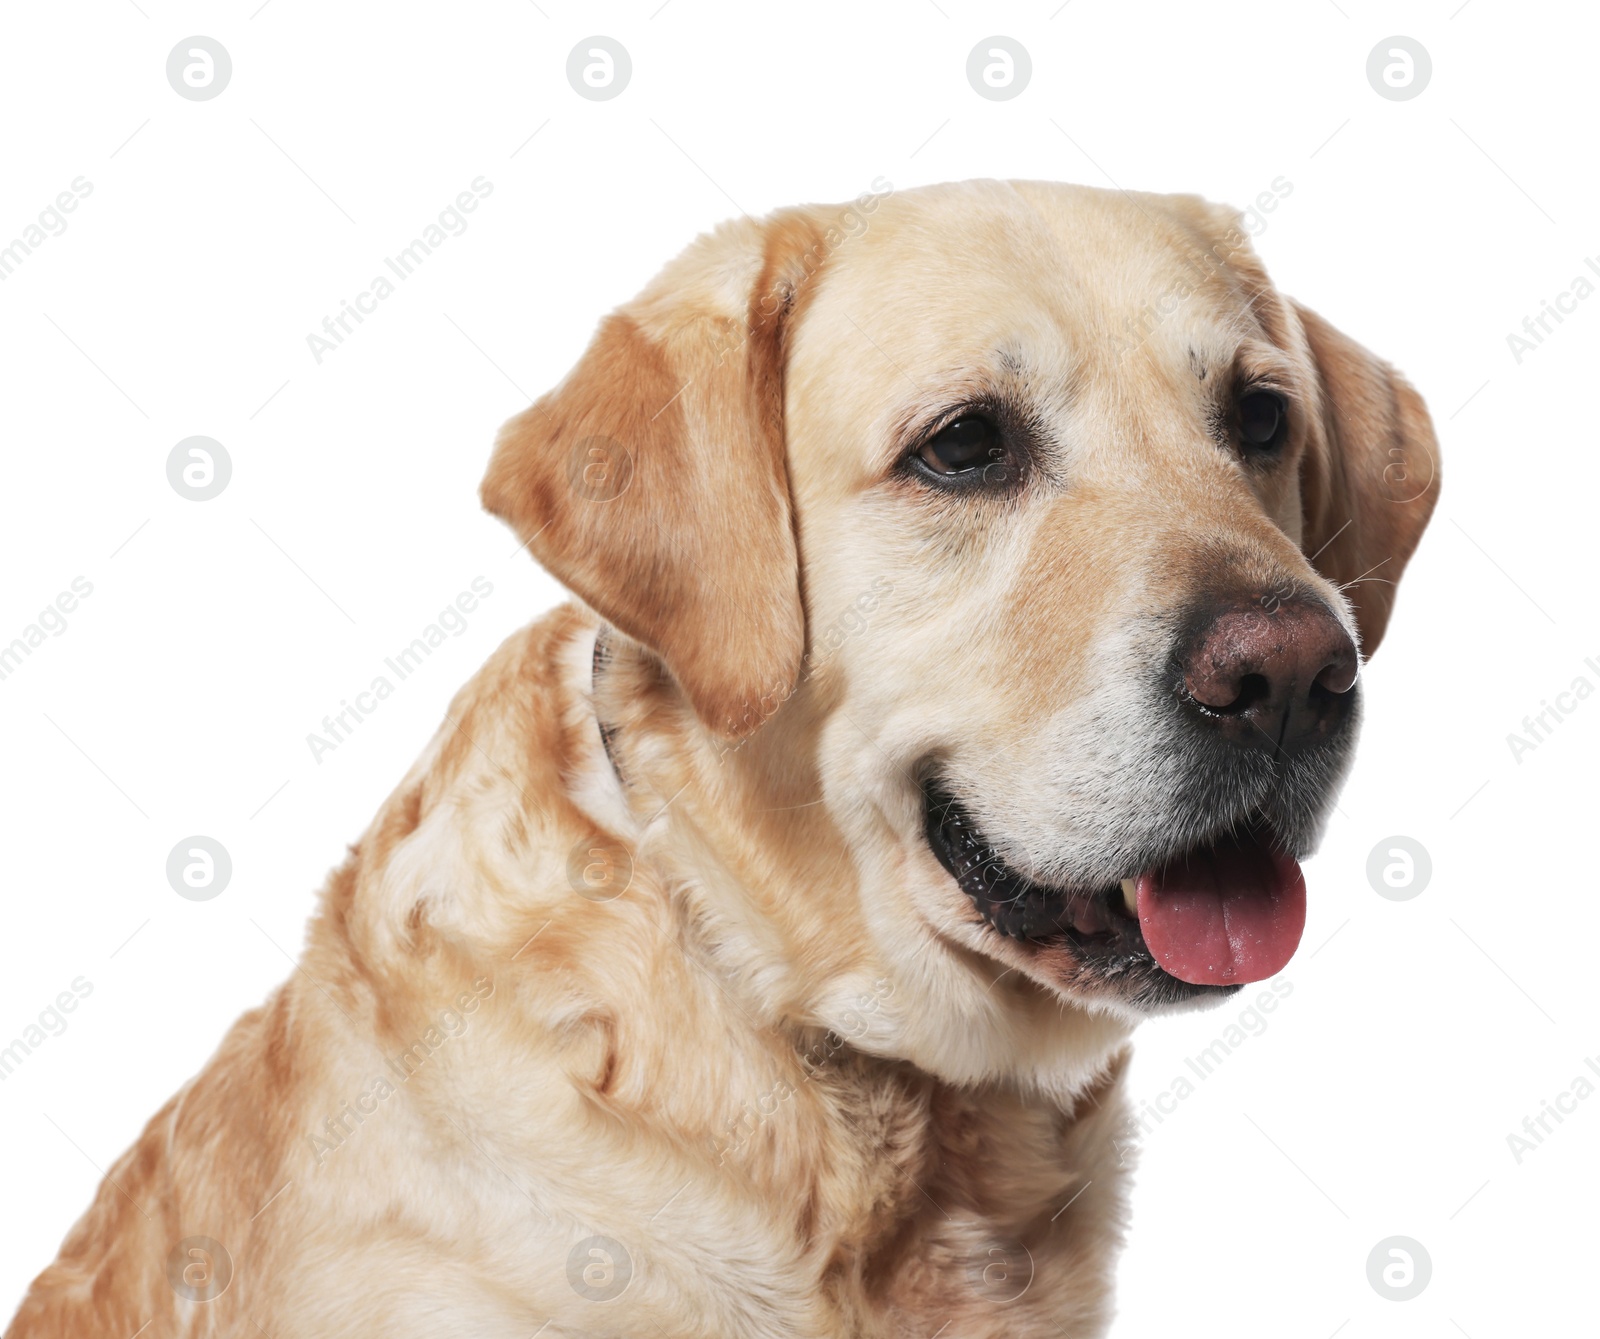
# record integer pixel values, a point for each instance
(1270, 674)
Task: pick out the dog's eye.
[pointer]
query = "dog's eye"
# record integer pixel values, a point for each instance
(969, 443)
(1262, 420)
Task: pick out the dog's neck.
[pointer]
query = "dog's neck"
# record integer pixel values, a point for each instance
(716, 1020)
(972, 1174)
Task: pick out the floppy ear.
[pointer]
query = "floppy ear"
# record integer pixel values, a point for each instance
(1369, 477)
(652, 480)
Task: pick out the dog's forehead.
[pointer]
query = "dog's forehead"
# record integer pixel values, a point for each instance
(1070, 279)
(1065, 293)
(1031, 244)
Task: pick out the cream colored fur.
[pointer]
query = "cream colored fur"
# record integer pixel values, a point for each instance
(718, 1004)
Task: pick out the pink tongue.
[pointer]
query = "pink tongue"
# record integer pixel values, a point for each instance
(1225, 914)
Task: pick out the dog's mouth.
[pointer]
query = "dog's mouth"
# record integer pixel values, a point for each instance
(1208, 917)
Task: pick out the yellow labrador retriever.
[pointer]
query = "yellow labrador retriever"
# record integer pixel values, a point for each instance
(972, 588)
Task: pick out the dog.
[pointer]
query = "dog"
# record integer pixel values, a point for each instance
(972, 585)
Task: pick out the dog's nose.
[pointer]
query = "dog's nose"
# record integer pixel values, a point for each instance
(1270, 674)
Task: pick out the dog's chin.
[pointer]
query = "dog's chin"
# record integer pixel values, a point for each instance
(1089, 943)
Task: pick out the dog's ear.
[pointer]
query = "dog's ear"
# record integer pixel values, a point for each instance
(652, 480)
(1369, 477)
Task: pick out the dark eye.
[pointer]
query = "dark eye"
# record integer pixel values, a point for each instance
(967, 444)
(1262, 420)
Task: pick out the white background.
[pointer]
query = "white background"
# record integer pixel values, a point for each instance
(1419, 1034)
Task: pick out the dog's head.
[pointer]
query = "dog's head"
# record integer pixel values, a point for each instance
(1033, 525)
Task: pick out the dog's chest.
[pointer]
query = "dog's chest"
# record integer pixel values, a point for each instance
(971, 1211)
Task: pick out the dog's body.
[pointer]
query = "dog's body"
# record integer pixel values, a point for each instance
(615, 1082)
(645, 1006)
